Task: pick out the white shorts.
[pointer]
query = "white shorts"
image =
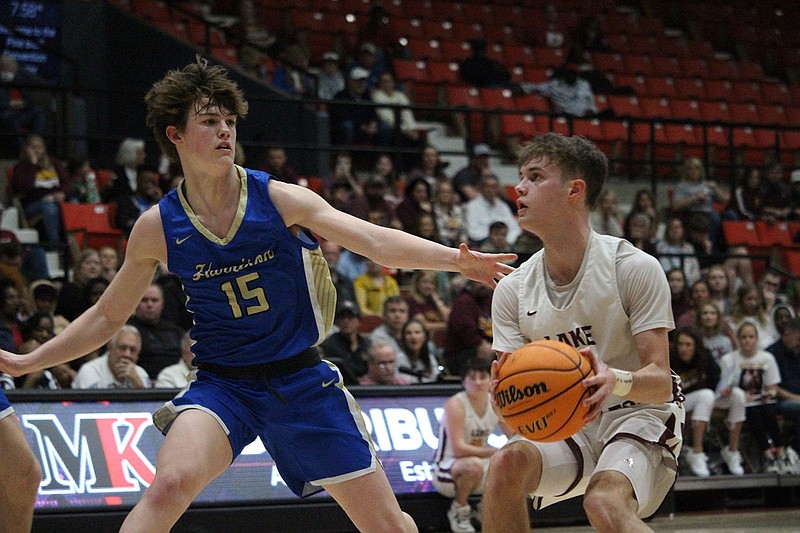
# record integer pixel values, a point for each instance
(443, 481)
(642, 442)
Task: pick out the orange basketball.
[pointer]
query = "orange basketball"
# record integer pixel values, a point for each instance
(539, 390)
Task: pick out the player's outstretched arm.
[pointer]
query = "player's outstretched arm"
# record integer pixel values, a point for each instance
(386, 246)
(146, 247)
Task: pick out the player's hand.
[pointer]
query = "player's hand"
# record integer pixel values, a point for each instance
(483, 267)
(493, 381)
(602, 382)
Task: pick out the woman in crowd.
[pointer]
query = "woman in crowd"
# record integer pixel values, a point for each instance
(717, 337)
(418, 357)
(679, 253)
(425, 302)
(749, 307)
(72, 296)
(700, 376)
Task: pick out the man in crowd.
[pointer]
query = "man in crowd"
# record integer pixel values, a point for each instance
(116, 369)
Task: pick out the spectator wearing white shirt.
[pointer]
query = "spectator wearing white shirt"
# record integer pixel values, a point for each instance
(117, 368)
(488, 207)
(177, 376)
(568, 93)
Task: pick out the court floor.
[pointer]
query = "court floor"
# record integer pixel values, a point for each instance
(767, 520)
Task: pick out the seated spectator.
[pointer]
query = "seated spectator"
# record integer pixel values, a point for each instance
(706, 248)
(770, 288)
(719, 288)
(644, 202)
(373, 287)
(128, 162)
(352, 124)
(379, 30)
(427, 228)
(23, 109)
(291, 75)
(700, 376)
(117, 368)
(21, 264)
(430, 167)
(82, 181)
(366, 58)
(382, 366)
(679, 291)
(462, 459)
(41, 184)
(347, 348)
(604, 217)
(748, 306)
(10, 325)
(488, 207)
(131, 207)
(37, 330)
(419, 354)
(71, 297)
(676, 252)
(568, 93)
(344, 286)
(373, 206)
(481, 71)
(277, 165)
(746, 202)
(755, 372)
(467, 180)
(787, 354)
(425, 302)
(449, 215)
(44, 294)
(160, 339)
(639, 233)
(351, 265)
(469, 329)
(109, 262)
(717, 338)
(330, 80)
(406, 131)
(698, 293)
(775, 195)
(395, 316)
(696, 194)
(177, 376)
(416, 201)
(343, 177)
(498, 239)
(384, 168)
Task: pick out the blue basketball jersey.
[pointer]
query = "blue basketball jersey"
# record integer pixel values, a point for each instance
(5, 405)
(259, 294)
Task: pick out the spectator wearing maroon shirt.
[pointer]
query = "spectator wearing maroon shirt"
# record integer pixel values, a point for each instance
(469, 327)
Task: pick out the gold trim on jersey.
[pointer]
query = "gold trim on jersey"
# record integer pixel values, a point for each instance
(237, 220)
(321, 289)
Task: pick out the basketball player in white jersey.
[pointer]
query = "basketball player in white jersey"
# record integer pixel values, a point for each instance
(610, 300)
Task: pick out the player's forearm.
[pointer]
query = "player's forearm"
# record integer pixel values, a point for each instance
(402, 250)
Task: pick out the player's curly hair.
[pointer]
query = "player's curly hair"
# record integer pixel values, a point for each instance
(170, 99)
(577, 156)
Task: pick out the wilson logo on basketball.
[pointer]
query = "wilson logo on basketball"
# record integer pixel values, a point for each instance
(512, 394)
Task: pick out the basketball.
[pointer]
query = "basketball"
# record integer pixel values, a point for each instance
(539, 390)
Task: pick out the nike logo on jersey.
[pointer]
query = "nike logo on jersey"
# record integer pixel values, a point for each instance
(326, 383)
(181, 241)
(531, 313)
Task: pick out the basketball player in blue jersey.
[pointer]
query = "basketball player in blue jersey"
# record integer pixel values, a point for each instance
(610, 300)
(19, 473)
(262, 299)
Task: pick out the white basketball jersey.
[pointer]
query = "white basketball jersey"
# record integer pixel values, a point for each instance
(590, 312)
(476, 428)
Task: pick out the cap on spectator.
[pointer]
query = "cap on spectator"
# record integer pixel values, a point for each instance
(43, 289)
(369, 48)
(348, 306)
(481, 149)
(8, 237)
(330, 56)
(359, 73)
(795, 176)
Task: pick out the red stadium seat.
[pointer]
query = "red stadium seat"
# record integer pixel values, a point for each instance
(625, 106)
(740, 232)
(770, 234)
(693, 67)
(685, 109)
(532, 102)
(714, 111)
(663, 86)
(720, 90)
(655, 107)
(666, 66)
(690, 88)
(747, 91)
(744, 113)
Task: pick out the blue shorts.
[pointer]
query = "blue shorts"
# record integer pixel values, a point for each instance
(308, 421)
(5, 406)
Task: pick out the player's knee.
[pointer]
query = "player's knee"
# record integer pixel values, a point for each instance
(169, 484)
(30, 475)
(508, 468)
(603, 504)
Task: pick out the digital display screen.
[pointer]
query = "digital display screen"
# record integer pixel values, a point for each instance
(29, 30)
(102, 454)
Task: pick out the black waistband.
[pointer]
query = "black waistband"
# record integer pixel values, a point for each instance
(307, 358)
